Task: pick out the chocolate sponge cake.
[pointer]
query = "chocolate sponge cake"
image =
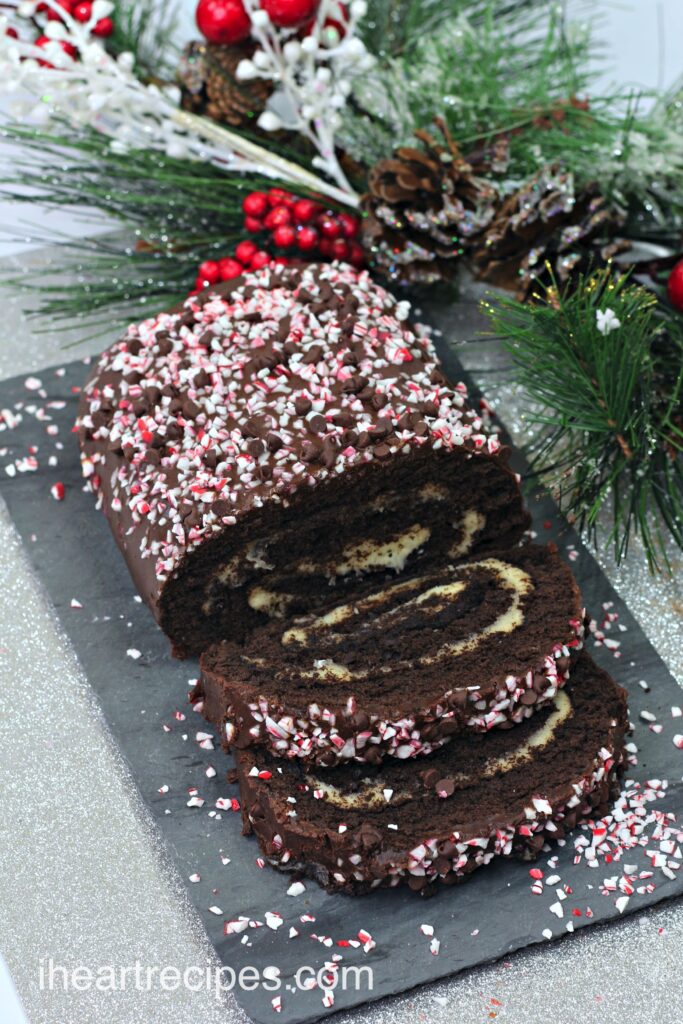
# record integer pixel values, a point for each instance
(281, 435)
(402, 669)
(356, 827)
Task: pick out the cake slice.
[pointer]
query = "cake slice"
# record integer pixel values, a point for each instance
(284, 434)
(356, 827)
(403, 669)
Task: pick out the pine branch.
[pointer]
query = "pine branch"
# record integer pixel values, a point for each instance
(175, 212)
(146, 28)
(607, 406)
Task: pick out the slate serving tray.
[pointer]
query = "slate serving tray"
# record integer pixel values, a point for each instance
(490, 916)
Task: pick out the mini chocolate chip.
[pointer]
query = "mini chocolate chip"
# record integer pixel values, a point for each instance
(378, 401)
(343, 419)
(318, 424)
(221, 508)
(190, 409)
(255, 447)
(310, 451)
(164, 344)
(302, 405)
(274, 442)
(313, 355)
(250, 428)
(445, 786)
(382, 451)
(429, 408)
(134, 346)
(353, 384)
(364, 439)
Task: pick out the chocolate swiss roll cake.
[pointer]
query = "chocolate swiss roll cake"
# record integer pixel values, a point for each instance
(280, 436)
(402, 669)
(356, 827)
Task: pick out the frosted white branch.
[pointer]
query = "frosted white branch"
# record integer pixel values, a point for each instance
(314, 76)
(96, 90)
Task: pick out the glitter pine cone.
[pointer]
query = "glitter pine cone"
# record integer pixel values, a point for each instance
(422, 210)
(206, 74)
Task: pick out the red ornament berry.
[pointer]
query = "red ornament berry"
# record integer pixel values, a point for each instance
(255, 204)
(307, 239)
(253, 225)
(329, 227)
(54, 15)
(209, 271)
(325, 246)
(277, 217)
(245, 251)
(305, 210)
(349, 224)
(229, 268)
(356, 255)
(340, 249)
(82, 11)
(284, 236)
(675, 286)
(281, 261)
(260, 259)
(278, 197)
(103, 28)
(289, 13)
(223, 21)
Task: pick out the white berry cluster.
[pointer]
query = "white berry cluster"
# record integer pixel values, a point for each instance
(314, 75)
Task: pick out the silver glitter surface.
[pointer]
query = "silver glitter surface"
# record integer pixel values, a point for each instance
(86, 878)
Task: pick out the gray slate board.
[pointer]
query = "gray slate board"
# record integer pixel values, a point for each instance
(490, 916)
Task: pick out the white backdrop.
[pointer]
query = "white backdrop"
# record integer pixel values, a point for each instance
(643, 45)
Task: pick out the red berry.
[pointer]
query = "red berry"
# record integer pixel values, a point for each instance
(305, 210)
(253, 225)
(260, 259)
(82, 11)
(229, 268)
(329, 227)
(356, 255)
(223, 21)
(325, 246)
(284, 236)
(209, 271)
(53, 15)
(281, 261)
(340, 249)
(675, 286)
(103, 28)
(255, 204)
(68, 48)
(289, 13)
(245, 251)
(307, 239)
(278, 197)
(277, 217)
(349, 224)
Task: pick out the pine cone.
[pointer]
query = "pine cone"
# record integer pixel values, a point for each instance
(423, 207)
(209, 86)
(545, 229)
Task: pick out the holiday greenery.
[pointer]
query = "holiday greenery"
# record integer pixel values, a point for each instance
(417, 137)
(603, 365)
